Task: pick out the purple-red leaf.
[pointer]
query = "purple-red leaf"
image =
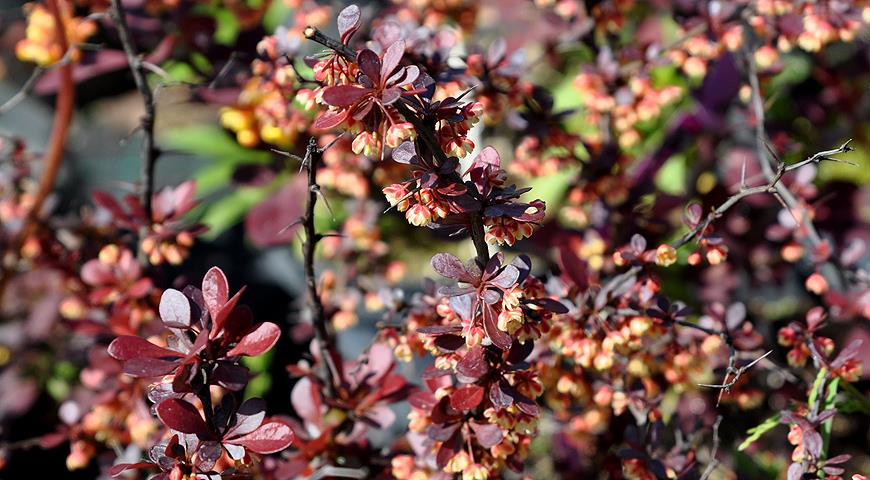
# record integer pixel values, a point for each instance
(344, 95)
(404, 152)
(441, 432)
(174, 309)
(274, 221)
(330, 119)
(148, 367)
(369, 64)
(272, 436)
(348, 22)
(249, 416)
(183, 417)
(848, 353)
(127, 347)
(449, 342)
(261, 340)
(473, 365)
(466, 398)
(488, 434)
(450, 266)
(392, 57)
(490, 325)
(215, 290)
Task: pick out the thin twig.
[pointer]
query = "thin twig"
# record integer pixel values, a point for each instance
(711, 467)
(139, 69)
(726, 384)
(323, 337)
(23, 92)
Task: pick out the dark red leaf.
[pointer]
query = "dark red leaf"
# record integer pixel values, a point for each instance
(53, 440)
(215, 290)
(183, 417)
(473, 365)
(272, 436)
(449, 342)
(207, 455)
(442, 432)
(392, 57)
(450, 266)
(274, 221)
(369, 64)
(344, 95)
(848, 353)
(500, 395)
(490, 325)
(447, 450)
(440, 329)
(487, 434)
(527, 405)
(223, 314)
(838, 459)
(422, 400)
(466, 398)
(249, 417)
(127, 347)
(390, 95)
(348, 22)
(149, 367)
(174, 309)
(812, 442)
(573, 267)
(330, 119)
(261, 340)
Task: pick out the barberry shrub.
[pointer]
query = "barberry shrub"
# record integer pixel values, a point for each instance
(625, 240)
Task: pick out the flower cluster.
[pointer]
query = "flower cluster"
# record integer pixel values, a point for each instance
(166, 239)
(42, 44)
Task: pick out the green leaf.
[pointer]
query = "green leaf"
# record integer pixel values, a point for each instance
(830, 399)
(797, 67)
(551, 188)
(213, 143)
(757, 431)
(817, 386)
(228, 27)
(275, 16)
(671, 178)
(229, 210)
(856, 401)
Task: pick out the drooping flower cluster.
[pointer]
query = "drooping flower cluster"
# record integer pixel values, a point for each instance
(435, 196)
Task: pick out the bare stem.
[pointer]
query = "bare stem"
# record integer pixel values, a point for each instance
(323, 337)
(139, 69)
